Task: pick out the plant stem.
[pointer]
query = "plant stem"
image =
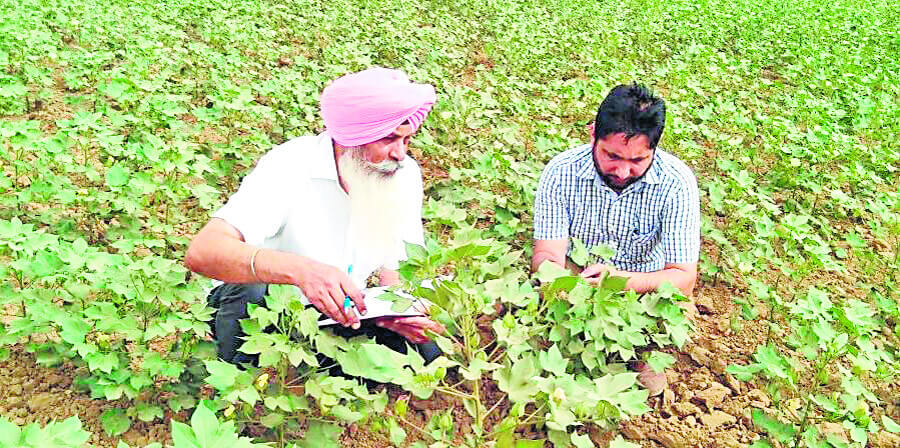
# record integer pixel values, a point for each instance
(455, 393)
(478, 417)
(492, 408)
(527, 421)
(819, 369)
(416, 427)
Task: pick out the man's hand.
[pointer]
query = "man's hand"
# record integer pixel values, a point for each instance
(219, 252)
(594, 272)
(326, 287)
(412, 328)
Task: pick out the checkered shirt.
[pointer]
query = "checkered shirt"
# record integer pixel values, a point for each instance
(653, 222)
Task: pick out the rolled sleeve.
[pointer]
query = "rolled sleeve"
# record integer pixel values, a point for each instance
(680, 232)
(260, 207)
(551, 215)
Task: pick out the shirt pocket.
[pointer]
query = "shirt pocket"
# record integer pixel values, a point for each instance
(640, 241)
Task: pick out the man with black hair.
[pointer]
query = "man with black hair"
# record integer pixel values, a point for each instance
(620, 190)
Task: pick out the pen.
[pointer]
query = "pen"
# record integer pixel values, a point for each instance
(347, 302)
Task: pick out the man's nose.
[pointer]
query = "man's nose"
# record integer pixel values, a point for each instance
(398, 150)
(623, 172)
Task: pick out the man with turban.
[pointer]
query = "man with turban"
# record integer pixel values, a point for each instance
(324, 213)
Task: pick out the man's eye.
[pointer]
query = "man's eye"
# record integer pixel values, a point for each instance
(614, 157)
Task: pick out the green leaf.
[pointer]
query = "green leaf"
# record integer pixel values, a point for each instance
(518, 379)
(550, 271)
(582, 441)
(780, 431)
(773, 363)
(553, 361)
(633, 402)
(74, 330)
(45, 264)
(416, 253)
(376, 362)
(182, 435)
(115, 422)
(65, 433)
(580, 254)
(205, 426)
(476, 367)
(889, 424)
(468, 251)
(619, 442)
(272, 420)
(104, 362)
(860, 315)
(147, 413)
(659, 361)
(604, 251)
(743, 373)
(559, 439)
(668, 290)
(346, 414)
(401, 304)
(396, 432)
(321, 435)
(183, 401)
(117, 176)
(9, 433)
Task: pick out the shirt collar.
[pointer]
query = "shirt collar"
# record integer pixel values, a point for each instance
(322, 166)
(587, 170)
(653, 176)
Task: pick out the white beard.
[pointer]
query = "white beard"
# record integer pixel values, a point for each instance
(380, 208)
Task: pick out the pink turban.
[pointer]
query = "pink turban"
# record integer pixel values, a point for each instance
(363, 107)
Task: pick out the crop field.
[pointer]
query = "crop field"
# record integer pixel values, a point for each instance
(125, 124)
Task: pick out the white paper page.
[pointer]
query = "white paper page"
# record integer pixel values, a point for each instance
(376, 307)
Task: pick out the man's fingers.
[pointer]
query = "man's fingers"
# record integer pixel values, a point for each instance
(411, 333)
(349, 317)
(388, 323)
(593, 270)
(326, 305)
(422, 322)
(413, 328)
(355, 294)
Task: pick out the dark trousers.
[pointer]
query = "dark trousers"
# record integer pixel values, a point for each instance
(231, 300)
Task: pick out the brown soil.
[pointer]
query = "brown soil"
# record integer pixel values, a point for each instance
(34, 394)
(703, 407)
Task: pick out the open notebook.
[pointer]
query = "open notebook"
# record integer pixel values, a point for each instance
(380, 303)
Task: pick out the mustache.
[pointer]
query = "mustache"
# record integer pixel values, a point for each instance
(384, 167)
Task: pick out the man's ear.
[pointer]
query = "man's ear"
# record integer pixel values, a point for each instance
(590, 129)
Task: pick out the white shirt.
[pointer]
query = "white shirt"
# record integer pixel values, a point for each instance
(292, 202)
